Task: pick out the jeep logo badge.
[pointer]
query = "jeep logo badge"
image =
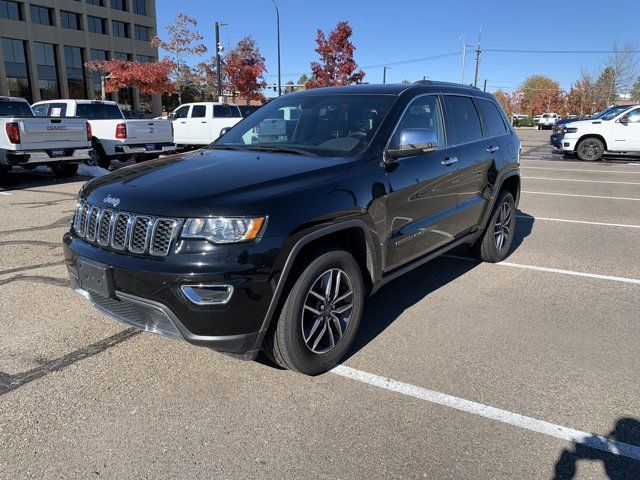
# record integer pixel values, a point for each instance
(113, 201)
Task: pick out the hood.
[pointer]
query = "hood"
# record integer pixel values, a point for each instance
(209, 182)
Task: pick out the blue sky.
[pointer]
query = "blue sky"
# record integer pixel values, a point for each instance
(392, 31)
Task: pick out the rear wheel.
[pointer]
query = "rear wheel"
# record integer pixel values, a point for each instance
(590, 149)
(65, 170)
(496, 241)
(320, 317)
(97, 157)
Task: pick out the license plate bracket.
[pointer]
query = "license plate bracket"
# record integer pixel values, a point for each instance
(150, 147)
(96, 277)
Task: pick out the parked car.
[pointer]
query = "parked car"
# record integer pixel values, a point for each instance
(559, 126)
(272, 237)
(27, 141)
(201, 123)
(547, 120)
(113, 136)
(247, 110)
(616, 131)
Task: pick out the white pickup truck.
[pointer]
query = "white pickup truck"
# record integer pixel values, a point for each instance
(615, 131)
(546, 120)
(114, 137)
(200, 123)
(27, 141)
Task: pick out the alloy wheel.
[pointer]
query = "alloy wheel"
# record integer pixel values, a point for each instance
(327, 311)
(590, 150)
(502, 227)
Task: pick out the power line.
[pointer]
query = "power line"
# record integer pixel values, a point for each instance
(571, 52)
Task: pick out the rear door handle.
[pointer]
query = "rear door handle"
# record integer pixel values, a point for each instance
(449, 161)
(183, 122)
(493, 149)
(204, 121)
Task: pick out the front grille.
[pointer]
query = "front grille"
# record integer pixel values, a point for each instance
(139, 234)
(140, 315)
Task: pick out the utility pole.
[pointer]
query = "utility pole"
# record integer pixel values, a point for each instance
(475, 80)
(219, 49)
(278, 30)
(485, 85)
(384, 74)
(464, 54)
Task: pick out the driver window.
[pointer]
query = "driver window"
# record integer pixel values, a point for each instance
(181, 112)
(634, 116)
(424, 112)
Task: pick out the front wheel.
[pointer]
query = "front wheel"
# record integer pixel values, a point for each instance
(496, 241)
(65, 170)
(590, 149)
(320, 317)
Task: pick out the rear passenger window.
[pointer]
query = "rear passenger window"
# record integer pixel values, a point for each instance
(493, 122)
(226, 111)
(465, 119)
(424, 112)
(198, 111)
(57, 109)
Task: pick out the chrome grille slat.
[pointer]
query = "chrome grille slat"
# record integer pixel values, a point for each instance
(124, 231)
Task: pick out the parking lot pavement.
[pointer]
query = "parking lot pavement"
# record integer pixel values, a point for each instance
(461, 370)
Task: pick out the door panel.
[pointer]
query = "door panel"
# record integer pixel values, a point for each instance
(198, 124)
(180, 129)
(423, 191)
(626, 135)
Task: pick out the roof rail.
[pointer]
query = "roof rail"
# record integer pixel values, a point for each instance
(443, 84)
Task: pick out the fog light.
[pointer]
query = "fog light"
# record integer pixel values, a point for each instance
(566, 144)
(208, 294)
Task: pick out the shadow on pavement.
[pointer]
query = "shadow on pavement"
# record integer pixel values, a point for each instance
(626, 430)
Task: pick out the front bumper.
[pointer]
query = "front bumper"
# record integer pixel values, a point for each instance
(146, 149)
(40, 157)
(569, 144)
(148, 293)
(556, 140)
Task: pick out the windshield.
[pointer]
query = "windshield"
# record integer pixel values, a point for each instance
(324, 125)
(612, 112)
(15, 109)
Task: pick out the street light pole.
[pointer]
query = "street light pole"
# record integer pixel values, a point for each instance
(218, 59)
(278, 30)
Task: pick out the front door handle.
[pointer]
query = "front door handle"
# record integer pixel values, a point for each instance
(204, 121)
(183, 122)
(493, 149)
(449, 161)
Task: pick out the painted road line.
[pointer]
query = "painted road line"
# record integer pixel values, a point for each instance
(504, 416)
(583, 196)
(4, 193)
(581, 170)
(633, 281)
(623, 225)
(579, 180)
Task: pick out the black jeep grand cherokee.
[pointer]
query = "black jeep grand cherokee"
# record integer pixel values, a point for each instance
(272, 237)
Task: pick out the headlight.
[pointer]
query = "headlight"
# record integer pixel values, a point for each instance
(570, 130)
(223, 229)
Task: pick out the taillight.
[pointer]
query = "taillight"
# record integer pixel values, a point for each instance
(121, 131)
(13, 132)
(89, 132)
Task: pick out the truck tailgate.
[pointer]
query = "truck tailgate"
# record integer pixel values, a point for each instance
(45, 133)
(149, 131)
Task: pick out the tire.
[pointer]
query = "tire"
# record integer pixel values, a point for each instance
(491, 247)
(590, 149)
(65, 170)
(308, 343)
(97, 157)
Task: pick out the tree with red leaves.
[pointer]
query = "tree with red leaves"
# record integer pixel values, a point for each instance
(149, 77)
(506, 102)
(183, 40)
(244, 69)
(337, 65)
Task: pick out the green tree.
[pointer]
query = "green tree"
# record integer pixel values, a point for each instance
(606, 88)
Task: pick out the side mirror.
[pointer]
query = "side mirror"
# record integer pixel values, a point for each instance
(224, 130)
(411, 142)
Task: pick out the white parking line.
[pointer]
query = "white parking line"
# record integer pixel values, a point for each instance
(579, 180)
(553, 270)
(4, 193)
(583, 196)
(578, 221)
(515, 419)
(592, 170)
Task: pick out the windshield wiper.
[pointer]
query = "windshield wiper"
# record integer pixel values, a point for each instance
(277, 149)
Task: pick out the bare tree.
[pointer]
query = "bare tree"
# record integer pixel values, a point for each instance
(624, 65)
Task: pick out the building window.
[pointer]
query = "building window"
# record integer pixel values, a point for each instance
(119, 5)
(119, 29)
(99, 55)
(139, 7)
(10, 10)
(47, 71)
(99, 3)
(145, 104)
(69, 20)
(125, 98)
(75, 72)
(96, 24)
(41, 15)
(143, 33)
(125, 57)
(145, 59)
(15, 65)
